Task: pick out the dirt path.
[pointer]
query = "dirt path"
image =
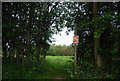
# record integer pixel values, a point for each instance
(59, 77)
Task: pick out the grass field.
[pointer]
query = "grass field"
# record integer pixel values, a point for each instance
(55, 67)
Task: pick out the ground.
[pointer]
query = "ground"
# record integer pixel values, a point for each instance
(55, 67)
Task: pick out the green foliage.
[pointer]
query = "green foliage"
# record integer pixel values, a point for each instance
(11, 71)
(27, 29)
(101, 23)
(87, 70)
(105, 27)
(82, 71)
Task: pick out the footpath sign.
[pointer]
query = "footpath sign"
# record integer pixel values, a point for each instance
(76, 39)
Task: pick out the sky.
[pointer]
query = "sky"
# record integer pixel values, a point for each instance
(63, 39)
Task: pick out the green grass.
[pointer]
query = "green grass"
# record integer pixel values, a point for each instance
(54, 67)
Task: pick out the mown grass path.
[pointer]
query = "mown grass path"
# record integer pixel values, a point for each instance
(55, 67)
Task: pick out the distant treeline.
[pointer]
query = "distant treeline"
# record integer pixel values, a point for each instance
(59, 50)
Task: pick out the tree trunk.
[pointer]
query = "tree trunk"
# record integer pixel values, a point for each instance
(28, 27)
(96, 40)
(38, 52)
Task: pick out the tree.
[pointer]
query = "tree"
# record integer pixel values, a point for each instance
(96, 39)
(27, 30)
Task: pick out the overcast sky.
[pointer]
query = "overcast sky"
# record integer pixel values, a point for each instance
(63, 39)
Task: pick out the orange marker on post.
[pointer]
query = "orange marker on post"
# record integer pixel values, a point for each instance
(76, 39)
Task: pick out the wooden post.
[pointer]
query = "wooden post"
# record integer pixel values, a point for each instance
(75, 56)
